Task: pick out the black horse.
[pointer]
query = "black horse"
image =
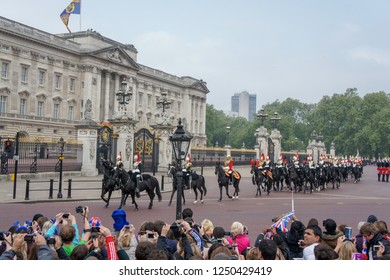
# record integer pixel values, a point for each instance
(109, 181)
(223, 181)
(149, 184)
(322, 177)
(279, 174)
(357, 171)
(310, 178)
(296, 177)
(335, 176)
(196, 182)
(263, 180)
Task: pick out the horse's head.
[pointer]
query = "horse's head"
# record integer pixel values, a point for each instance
(217, 167)
(171, 170)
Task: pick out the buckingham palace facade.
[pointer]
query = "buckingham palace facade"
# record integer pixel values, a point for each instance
(52, 83)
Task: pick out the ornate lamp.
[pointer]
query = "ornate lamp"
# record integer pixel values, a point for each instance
(180, 141)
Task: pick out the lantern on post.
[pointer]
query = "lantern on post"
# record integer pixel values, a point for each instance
(180, 141)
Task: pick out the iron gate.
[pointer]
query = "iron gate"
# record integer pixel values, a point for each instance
(144, 144)
(271, 150)
(104, 145)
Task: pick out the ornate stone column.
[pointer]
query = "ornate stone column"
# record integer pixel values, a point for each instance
(276, 138)
(124, 128)
(164, 128)
(87, 135)
(262, 140)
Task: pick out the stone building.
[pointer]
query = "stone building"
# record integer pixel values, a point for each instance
(50, 84)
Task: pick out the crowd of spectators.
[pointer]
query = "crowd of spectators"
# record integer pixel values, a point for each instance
(187, 239)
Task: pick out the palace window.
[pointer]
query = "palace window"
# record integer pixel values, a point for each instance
(4, 70)
(40, 109)
(24, 74)
(57, 81)
(3, 104)
(22, 107)
(56, 111)
(41, 78)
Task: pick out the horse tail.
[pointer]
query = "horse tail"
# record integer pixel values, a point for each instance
(158, 192)
(204, 186)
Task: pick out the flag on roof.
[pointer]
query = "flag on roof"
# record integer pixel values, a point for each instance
(73, 8)
(281, 224)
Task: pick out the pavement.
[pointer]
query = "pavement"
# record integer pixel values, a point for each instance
(82, 188)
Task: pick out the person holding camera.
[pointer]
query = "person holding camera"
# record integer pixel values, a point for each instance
(375, 241)
(238, 238)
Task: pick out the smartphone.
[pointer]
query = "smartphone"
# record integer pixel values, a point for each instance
(375, 248)
(127, 227)
(348, 233)
(65, 215)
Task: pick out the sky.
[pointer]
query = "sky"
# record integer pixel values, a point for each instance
(279, 49)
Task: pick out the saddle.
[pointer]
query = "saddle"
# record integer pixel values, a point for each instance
(235, 174)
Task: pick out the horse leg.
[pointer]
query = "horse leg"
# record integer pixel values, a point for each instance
(122, 200)
(220, 194)
(201, 195)
(133, 202)
(109, 197)
(170, 201)
(227, 191)
(196, 195)
(102, 197)
(151, 196)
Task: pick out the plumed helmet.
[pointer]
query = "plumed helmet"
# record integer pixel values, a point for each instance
(262, 156)
(228, 157)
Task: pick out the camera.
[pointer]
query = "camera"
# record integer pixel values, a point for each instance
(65, 215)
(175, 225)
(375, 248)
(95, 229)
(150, 235)
(80, 209)
(127, 227)
(29, 237)
(3, 234)
(50, 240)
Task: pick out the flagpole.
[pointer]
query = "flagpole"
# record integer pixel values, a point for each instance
(80, 16)
(292, 201)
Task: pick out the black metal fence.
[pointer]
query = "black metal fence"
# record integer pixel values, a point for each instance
(39, 155)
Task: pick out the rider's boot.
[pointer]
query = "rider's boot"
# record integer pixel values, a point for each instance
(137, 191)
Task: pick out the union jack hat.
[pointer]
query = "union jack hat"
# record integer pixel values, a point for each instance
(95, 222)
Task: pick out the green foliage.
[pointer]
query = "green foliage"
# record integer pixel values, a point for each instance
(351, 122)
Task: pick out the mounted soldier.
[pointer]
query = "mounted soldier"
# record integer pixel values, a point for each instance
(228, 167)
(137, 177)
(118, 164)
(187, 172)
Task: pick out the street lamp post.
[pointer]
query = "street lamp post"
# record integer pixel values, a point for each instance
(275, 119)
(163, 102)
(227, 137)
(262, 116)
(180, 141)
(124, 94)
(61, 144)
